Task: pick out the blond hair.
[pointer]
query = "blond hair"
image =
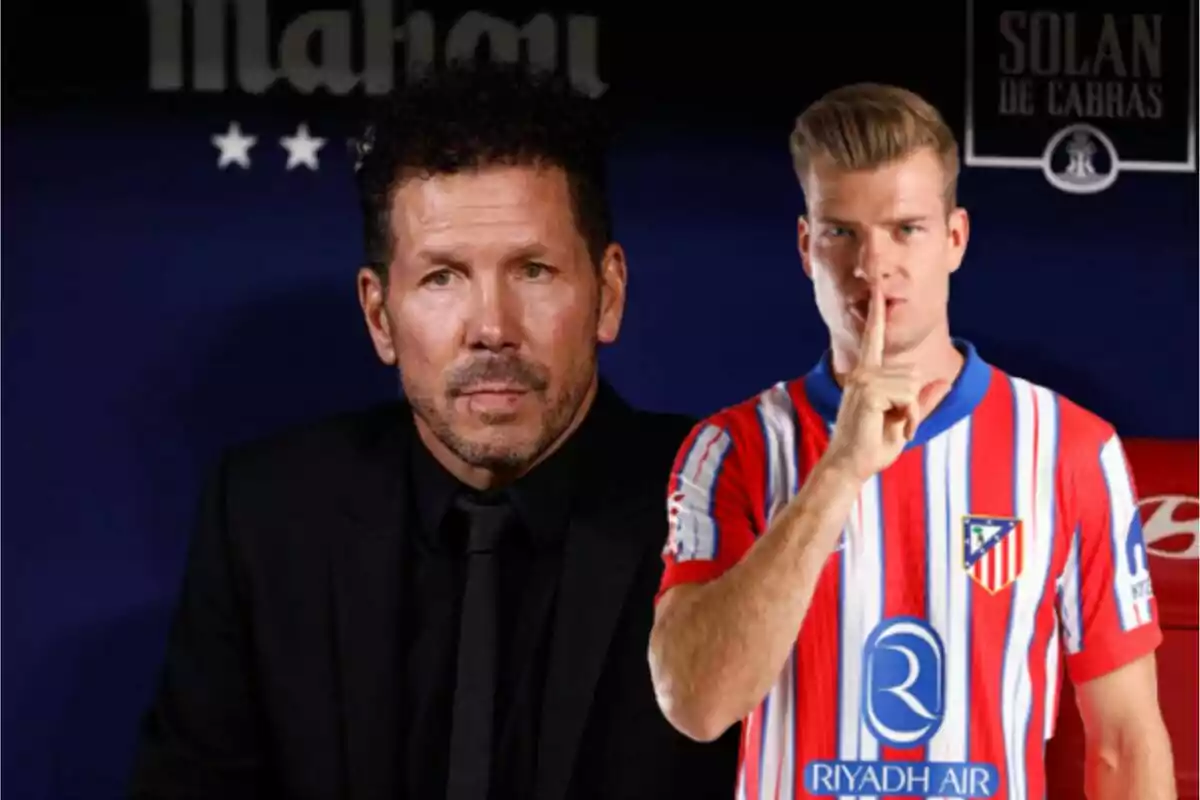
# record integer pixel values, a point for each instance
(867, 125)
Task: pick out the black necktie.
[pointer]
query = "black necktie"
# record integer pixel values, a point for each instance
(475, 687)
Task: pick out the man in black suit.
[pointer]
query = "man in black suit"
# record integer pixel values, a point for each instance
(449, 596)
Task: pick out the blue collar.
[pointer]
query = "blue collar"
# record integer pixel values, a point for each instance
(969, 388)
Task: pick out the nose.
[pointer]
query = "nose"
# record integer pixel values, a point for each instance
(493, 321)
(875, 258)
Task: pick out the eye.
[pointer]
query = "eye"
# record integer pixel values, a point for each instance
(438, 278)
(909, 228)
(535, 270)
(838, 233)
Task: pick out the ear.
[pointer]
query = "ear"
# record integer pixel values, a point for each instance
(803, 243)
(372, 297)
(613, 278)
(958, 226)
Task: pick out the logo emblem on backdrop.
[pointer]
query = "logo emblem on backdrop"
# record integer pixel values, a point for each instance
(252, 47)
(362, 46)
(1081, 95)
(904, 680)
(1171, 526)
(993, 550)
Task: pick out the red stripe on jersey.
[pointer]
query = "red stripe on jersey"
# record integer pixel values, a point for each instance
(817, 653)
(905, 554)
(747, 430)
(991, 493)
(817, 711)
(1043, 627)
(752, 750)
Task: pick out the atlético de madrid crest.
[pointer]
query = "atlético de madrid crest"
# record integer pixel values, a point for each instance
(993, 550)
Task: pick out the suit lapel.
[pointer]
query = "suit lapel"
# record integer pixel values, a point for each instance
(597, 571)
(600, 558)
(366, 564)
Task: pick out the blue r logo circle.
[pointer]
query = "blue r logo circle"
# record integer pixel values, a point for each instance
(904, 681)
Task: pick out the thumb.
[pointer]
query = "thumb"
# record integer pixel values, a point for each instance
(931, 394)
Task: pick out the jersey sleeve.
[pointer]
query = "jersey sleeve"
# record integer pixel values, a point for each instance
(1105, 599)
(710, 519)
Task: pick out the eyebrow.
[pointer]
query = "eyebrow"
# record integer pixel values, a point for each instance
(904, 220)
(450, 257)
(841, 223)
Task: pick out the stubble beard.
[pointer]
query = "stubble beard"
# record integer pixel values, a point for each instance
(509, 453)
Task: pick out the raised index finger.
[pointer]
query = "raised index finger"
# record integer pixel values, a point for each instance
(871, 352)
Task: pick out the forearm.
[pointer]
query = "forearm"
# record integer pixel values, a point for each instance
(1133, 766)
(715, 653)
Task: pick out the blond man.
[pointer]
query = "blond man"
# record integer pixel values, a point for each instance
(879, 567)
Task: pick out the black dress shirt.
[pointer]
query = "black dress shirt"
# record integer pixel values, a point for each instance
(531, 558)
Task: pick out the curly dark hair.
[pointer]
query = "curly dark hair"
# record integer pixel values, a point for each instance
(472, 114)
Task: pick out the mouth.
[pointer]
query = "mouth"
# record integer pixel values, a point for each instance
(493, 401)
(492, 389)
(859, 308)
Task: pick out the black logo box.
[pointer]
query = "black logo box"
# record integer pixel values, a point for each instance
(1129, 70)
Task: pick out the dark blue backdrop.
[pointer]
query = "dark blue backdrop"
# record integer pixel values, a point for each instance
(156, 309)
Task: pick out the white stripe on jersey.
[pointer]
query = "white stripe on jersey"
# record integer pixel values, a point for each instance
(1036, 435)
(1070, 603)
(693, 529)
(948, 482)
(1129, 568)
(778, 419)
(787, 696)
(1051, 684)
(850, 646)
(862, 592)
(871, 577)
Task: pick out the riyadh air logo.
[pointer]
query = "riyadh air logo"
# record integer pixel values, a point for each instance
(904, 682)
(1081, 95)
(903, 706)
(1171, 526)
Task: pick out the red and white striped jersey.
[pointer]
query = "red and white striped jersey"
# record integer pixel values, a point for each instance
(1004, 538)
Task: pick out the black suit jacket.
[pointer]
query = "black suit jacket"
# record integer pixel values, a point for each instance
(280, 678)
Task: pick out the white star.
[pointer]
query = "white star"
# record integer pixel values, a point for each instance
(302, 148)
(358, 150)
(234, 146)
